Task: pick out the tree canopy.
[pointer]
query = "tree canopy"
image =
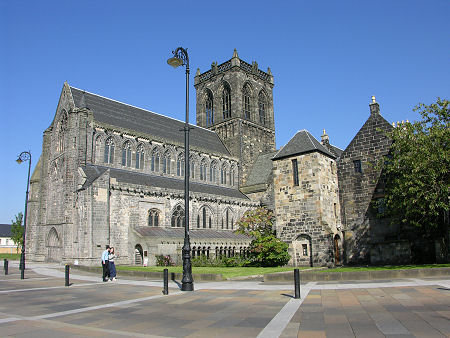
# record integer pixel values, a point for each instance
(256, 223)
(417, 169)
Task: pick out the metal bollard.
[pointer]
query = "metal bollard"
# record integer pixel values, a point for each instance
(297, 283)
(166, 282)
(5, 266)
(67, 274)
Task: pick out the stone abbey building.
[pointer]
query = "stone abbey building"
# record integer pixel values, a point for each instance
(112, 173)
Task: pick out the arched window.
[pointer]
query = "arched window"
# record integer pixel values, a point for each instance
(192, 168)
(109, 150)
(213, 172)
(178, 217)
(155, 160)
(223, 175)
(209, 108)
(126, 154)
(204, 218)
(62, 126)
(140, 157)
(232, 173)
(203, 170)
(153, 218)
(166, 163)
(180, 165)
(262, 108)
(246, 102)
(226, 101)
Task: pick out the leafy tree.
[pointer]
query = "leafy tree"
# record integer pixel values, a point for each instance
(265, 249)
(17, 230)
(417, 169)
(256, 223)
(269, 251)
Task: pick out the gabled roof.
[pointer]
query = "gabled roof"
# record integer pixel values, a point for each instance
(302, 142)
(261, 169)
(161, 232)
(93, 172)
(5, 230)
(125, 116)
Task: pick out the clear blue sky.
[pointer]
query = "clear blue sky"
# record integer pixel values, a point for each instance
(327, 58)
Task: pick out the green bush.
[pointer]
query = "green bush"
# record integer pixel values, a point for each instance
(268, 251)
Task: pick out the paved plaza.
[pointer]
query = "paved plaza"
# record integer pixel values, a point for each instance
(41, 306)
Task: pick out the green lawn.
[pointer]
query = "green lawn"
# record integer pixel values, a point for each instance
(12, 257)
(226, 272)
(231, 272)
(387, 267)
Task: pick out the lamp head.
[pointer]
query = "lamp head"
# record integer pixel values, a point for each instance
(19, 160)
(175, 62)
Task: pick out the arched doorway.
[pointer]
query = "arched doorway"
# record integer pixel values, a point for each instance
(302, 250)
(337, 251)
(53, 246)
(138, 255)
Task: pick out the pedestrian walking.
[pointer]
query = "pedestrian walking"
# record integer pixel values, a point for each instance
(112, 266)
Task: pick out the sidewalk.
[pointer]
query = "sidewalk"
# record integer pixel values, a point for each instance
(40, 306)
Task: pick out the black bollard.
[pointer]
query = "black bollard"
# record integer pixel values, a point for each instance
(297, 283)
(166, 282)
(67, 274)
(5, 266)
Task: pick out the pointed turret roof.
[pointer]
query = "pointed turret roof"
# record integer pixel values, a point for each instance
(302, 142)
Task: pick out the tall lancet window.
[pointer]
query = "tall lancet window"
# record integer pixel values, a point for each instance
(180, 165)
(126, 154)
(109, 151)
(155, 160)
(226, 101)
(209, 109)
(140, 157)
(262, 108)
(246, 102)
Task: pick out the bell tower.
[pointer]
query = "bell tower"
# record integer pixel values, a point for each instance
(235, 99)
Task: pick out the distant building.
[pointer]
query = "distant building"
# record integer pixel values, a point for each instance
(7, 245)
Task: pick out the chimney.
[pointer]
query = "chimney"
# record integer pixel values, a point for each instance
(374, 106)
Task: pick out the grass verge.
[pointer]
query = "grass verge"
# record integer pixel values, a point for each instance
(12, 257)
(386, 267)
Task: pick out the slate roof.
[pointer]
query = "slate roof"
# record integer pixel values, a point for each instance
(5, 230)
(302, 142)
(261, 170)
(93, 172)
(161, 232)
(338, 151)
(140, 120)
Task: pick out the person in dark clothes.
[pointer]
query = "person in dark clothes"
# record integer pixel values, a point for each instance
(105, 264)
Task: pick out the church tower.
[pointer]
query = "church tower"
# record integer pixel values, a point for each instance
(235, 99)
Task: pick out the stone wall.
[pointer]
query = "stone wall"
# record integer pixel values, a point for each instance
(309, 211)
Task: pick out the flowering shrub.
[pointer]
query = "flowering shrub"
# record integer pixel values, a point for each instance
(162, 260)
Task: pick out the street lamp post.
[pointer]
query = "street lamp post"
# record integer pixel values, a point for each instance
(24, 156)
(181, 58)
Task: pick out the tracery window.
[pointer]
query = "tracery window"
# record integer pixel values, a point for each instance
(226, 102)
(192, 169)
(166, 163)
(209, 109)
(126, 154)
(154, 165)
(246, 102)
(109, 151)
(204, 218)
(262, 108)
(232, 173)
(153, 218)
(178, 217)
(180, 165)
(140, 157)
